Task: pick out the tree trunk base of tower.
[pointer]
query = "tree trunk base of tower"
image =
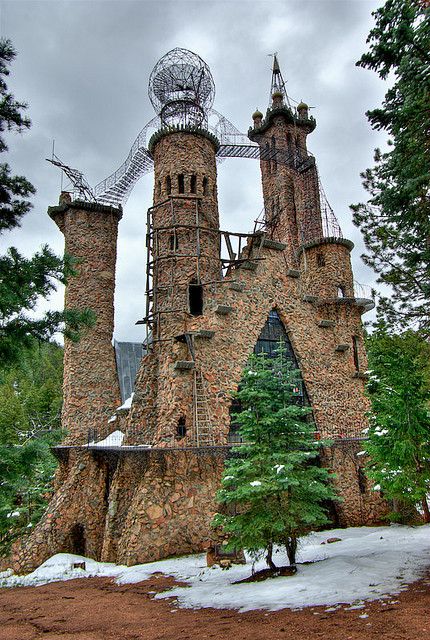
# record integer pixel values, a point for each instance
(144, 506)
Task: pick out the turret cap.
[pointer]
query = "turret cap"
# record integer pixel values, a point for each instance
(257, 114)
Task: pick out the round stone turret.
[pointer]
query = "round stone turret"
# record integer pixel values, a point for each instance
(257, 117)
(277, 99)
(302, 110)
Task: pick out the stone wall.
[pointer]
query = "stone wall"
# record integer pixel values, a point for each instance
(162, 507)
(74, 520)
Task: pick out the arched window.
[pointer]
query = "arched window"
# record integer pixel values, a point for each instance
(173, 242)
(205, 186)
(168, 185)
(181, 429)
(267, 156)
(340, 292)
(77, 540)
(355, 353)
(195, 298)
(272, 334)
(320, 260)
(193, 183)
(181, 183)
(274, 163)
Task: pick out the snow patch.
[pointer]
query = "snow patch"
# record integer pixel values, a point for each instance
(114, 439)
(368, 563)
(127, 404)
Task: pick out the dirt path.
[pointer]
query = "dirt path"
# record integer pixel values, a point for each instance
(97, 609)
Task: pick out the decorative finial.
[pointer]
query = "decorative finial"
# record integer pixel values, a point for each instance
(278, 92)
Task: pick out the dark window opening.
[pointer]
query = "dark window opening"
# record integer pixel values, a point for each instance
(168, 185)
(267, 155)
(181, 429)
(77, 540)
(340, 292)
(355, 353)
(195, 298)
(320, 260)
(274, 163)
(173, 242)
(181, 183)
(294, 213)
(362, 480)
(193, 184)
(271, 335)
(205, 186)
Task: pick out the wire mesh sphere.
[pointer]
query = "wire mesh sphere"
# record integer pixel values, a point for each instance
(181, 88)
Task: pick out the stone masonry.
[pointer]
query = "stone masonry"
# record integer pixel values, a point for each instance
(154, 496)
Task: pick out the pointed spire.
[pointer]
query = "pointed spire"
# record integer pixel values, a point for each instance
(278, 85)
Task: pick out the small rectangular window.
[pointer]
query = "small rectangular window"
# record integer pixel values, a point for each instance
(355, 353)
(181, 183)
(193, 184)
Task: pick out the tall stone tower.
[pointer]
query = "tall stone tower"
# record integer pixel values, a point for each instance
(90, 379)
(153, 493)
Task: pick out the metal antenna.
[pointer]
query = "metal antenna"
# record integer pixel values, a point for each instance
(278, 83)
(81, 188)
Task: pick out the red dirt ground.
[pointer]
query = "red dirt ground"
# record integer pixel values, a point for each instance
(98, 609)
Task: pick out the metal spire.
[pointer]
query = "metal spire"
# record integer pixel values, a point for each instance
(278, 84)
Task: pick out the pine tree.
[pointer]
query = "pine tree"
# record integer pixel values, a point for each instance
(24, 280)
(30, 398)
(395, 222)
(273, 480)
(398, 442)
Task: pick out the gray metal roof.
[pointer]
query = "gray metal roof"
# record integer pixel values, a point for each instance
(128, 356)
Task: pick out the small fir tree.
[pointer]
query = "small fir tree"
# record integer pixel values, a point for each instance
(273, 480)
(398, 442)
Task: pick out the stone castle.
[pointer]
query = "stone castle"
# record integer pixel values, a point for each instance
(138, 483)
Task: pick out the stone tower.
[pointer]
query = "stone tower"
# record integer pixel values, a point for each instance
(152, 494)
(90, 380)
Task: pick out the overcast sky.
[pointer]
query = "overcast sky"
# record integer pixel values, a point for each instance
(83, 68)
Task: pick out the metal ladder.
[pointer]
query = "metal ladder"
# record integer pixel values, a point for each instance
(203, 430)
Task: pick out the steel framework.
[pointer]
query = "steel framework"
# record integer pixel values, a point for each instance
(181, 89)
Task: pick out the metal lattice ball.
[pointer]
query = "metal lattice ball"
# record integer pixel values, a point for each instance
(181, 89)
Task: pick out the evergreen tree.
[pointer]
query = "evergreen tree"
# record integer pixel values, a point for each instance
(395, 222)
(399, 435)
(273, 480)
(23, 281)
(30, 397)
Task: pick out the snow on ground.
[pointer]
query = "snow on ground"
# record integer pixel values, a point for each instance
(368, 563)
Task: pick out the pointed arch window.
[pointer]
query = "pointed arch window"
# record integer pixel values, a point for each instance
(271, 335)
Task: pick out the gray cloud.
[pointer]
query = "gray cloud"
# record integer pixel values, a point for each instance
(83, 68)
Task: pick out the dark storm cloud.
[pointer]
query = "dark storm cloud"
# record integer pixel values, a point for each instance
(83, 67)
